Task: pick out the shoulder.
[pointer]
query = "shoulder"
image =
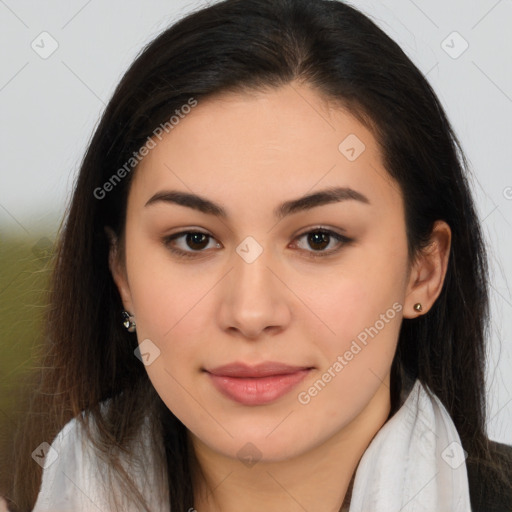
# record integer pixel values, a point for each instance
(60, 461)
(67, 469)
(77, 476)
(488, 494)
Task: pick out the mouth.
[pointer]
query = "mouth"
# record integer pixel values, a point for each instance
(256, 385)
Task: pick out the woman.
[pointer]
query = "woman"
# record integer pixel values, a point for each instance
(270, 291)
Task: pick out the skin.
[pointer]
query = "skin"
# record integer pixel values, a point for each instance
(250, 152)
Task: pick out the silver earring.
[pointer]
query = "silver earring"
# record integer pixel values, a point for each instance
(128, 321)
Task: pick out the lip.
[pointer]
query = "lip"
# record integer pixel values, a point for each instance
(259, 384)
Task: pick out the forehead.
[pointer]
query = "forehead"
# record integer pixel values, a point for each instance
(283, 142)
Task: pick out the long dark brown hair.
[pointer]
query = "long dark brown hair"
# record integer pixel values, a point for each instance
(239, 45)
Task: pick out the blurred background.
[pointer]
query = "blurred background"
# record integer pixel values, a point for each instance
(60, 63)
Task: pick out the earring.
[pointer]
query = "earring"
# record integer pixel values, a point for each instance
(128, 321)
(417, 307)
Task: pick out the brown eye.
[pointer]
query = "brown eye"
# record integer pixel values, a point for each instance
(194, 242)
(319, 239)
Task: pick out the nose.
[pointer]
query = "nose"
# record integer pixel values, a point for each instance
(255, 300)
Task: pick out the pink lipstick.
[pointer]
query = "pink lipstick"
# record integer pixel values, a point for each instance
(256, 385)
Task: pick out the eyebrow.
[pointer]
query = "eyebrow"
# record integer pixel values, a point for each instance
(320, 198)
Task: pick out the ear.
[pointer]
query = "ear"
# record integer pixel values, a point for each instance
(118, 270)
(429, 271)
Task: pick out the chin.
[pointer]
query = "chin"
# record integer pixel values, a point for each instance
(260, 443)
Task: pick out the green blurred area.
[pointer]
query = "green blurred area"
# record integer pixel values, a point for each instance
(24, 272)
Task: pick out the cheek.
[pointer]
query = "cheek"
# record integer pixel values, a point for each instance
(362, 309)
(365, 313)
(365, 293)
(163, 293)
(167, 314)
(166, 306)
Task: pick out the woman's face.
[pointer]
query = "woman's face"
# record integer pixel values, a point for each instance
(260, 284)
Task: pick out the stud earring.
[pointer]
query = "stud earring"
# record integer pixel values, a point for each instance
(418, 307)
(128, 321)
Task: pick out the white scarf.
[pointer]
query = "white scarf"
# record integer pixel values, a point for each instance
(415, 463)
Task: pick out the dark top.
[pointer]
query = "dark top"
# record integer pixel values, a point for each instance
(490, 496)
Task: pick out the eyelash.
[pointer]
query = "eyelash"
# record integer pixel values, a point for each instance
(343, 240)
